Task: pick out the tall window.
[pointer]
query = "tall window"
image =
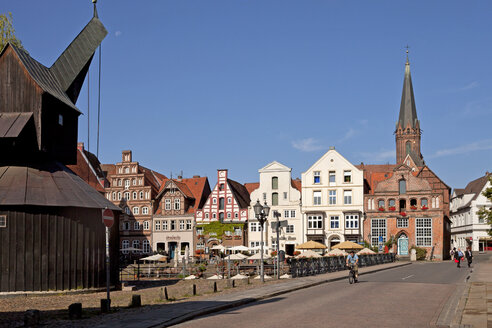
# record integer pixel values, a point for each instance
(381, 203)
(274, 182)
(167, 204)
(253, 226)
(317, 198)
(352, 221)
(146, 225)
(332, 197)
(221, 187)
(165, 226)
(173, 225)
(177, 204)
(293, 213)
(140, 195)
(221, 203)
(188, 224)
(347, 197)
(332, 178)
(136, 244)
(274, 199)
(317, 177)
(289, 228)
(126, 195)
(157, 225)
(423, 202)
(423, 227)
(347, 176)
(315, 222)
(221, 216)
(402, 222)
(114, 195)
(285, 195)
(136, 225)
(127, 183)
(136, 210)
(408, 147)
(378, 229)
(181, 224)
(125, 244)
(146, 246)
(127, 210)
(391, 203)
(334, 222)
(286, 213)
(145, 210)
(264, 196)
(402, 186)
(229, 200)
(119, 195)
(134, 195)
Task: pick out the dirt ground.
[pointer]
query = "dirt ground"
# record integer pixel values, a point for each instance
(54, 307)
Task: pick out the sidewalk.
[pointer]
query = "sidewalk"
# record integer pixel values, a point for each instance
(477, 298)
(174, 313)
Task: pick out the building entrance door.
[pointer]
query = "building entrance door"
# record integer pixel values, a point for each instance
(403, 245)
(289, 249)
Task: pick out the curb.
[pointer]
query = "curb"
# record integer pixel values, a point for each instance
(190, 316)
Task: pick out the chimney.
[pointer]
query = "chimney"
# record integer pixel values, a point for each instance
(196, 176)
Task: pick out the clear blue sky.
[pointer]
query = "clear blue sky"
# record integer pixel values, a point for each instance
(194, 86)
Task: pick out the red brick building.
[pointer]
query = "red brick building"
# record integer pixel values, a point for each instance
(133, 188)
(406, 202)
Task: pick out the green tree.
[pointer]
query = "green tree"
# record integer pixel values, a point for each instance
(7, 31)
(486, 213)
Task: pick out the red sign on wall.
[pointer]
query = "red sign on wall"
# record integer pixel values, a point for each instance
(108, 218)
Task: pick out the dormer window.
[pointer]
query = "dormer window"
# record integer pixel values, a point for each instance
(60, 119)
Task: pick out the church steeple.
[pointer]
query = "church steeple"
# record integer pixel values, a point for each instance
(408, 126)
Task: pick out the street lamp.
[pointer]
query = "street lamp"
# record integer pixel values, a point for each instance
(276, 214)
(261, 214)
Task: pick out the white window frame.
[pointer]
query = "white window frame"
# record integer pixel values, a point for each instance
(126, 225)
(125, 244)
(347, 173)
(167, 204)
(292, 213)
(351, 221)
(347, 197)
(177, 204)
(334, 222)
(332, 174)
(136, 210)
(157, 225)
(423, 232)
(317, 197)
(332, 197)
(316, 174)
(402, 222)
(254, 226)
(289, 228)
(146, 225)
(189, 225)
(134, 195)
(141, 195)
(127, 184)
(286, 214)
(315, 222)
(378, 228)
(182, 225)
(136, 226)
(146, 246)
(165, 225)
(3, 221)
(145, 210)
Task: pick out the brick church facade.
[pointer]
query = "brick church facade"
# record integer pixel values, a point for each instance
(406, 202)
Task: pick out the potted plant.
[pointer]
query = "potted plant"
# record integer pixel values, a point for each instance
(381, 209)
(297, 253)
(413, 207)
(424, 207)
(273, 253)
(392, 208)
(403, 213)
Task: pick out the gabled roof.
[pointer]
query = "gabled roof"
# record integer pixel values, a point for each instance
(86, 170)
(297, 184)
(196, 188)
(474, 187)
(42, 75)
(408, 112)
(252, 186)
(373, 174)
(240, 193)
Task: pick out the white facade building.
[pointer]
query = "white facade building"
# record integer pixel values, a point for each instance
(333, 200)
(282, 194)
(466, 226)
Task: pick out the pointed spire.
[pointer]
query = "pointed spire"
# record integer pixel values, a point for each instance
(95, 9)
(408, 112)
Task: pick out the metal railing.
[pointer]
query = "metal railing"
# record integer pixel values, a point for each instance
(312, 266)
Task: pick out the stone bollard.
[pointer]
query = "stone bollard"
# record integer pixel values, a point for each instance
(413, 255)
(31, 318)
(136, 301)
(105, 305)
(215, 286)
(75, 311)
(161, 294)
(194, 290)
(233, 283)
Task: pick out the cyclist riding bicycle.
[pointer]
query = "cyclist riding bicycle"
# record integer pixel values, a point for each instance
(353, 262)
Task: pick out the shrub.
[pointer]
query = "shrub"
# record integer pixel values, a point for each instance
(420, 252)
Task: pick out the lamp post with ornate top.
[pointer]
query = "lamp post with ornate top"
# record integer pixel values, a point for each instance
(261, 214)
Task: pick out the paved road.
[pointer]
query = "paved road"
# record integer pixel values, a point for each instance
(410, 296)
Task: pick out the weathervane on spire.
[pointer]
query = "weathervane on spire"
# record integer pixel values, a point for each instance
(407, 47)
(95, 9)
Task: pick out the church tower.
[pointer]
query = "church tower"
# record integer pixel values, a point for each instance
(408, 133)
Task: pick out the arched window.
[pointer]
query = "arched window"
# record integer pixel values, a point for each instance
(127, 169)
(221, 203)
(391, 203)
(221, 216)
(127, 210)
(403, 204)
(206, 215)
(381, 203)
(119, 182)
(424, 202)
(274, 182)
(134, 195)
(114, 195)
(229, 200)
(413, 203)
(127, 183)
(228, 215)
(126, 195)
(140, 195)
(236, 215)
(402, 186)
(274, 199)
(119, 195)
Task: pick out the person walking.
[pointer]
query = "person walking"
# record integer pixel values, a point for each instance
(469, 256)
(458, 256)
(452, 252)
